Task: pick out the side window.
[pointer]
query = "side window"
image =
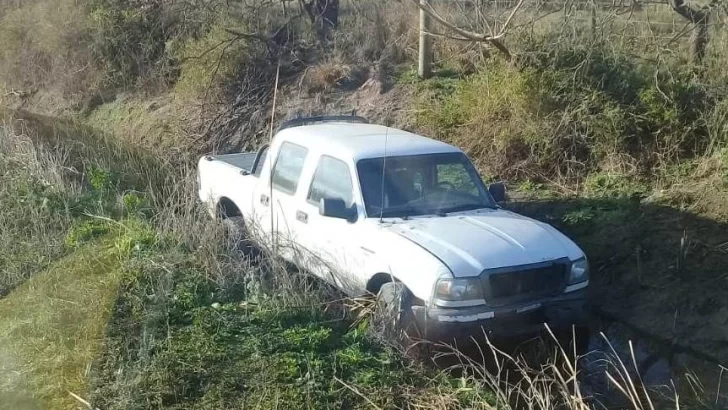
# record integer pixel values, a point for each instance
(331, 180)
(288, 167)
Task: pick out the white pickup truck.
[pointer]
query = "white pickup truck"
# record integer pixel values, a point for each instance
(377, 210)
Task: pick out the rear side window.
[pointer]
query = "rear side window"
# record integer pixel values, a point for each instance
(332, 180)
(288, 167)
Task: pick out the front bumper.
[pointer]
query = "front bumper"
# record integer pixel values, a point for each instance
(522, 320)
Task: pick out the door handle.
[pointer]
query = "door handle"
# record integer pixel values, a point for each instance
(264, 199)
(302, 216)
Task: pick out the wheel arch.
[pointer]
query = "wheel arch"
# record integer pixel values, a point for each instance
(375, 282)
(226, 208)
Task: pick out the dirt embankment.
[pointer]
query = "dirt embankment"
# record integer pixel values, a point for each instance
(660, 270)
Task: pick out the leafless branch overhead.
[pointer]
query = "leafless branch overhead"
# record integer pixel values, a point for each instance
(694, 15)
(492, 37)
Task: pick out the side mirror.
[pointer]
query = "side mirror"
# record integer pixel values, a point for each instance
(336, 208)
(498, 191)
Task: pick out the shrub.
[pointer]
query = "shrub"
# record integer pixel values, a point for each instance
(128, 40)
(564, 114)
(496, 115)
(137, 236)
(84, 231)
(135, 203)
(209, 63)
(100, 179)
(613, 186)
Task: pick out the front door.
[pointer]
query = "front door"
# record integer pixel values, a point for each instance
(333, 241)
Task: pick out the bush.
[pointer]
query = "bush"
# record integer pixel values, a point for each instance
(45, 47)
(496, 115)
(570, 112)
(129, 40)
(209, 63)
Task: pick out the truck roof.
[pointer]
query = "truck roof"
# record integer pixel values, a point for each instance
(360, 141)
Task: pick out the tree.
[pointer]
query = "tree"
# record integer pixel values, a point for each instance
(700, 17)
(491, 37)
(324, 15)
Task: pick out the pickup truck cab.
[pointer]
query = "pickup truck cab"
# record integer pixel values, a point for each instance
(373, 209)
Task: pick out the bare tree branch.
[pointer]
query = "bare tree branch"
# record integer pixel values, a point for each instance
(692, 14)
(700, 17)
(493, 38)
(250, 36)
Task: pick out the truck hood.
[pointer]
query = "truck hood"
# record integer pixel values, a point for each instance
(471, 243)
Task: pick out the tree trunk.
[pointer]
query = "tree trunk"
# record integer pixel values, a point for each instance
(700, 17)
(699, 40)
(425, 61)
(328, 11)
(324, 15)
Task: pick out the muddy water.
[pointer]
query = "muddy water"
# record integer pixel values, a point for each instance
(661, 367)
(664, 368)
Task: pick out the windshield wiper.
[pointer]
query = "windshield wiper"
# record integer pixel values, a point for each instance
(465, 207)
(403, 213)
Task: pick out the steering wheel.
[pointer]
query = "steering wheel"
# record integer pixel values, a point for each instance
(448, 186)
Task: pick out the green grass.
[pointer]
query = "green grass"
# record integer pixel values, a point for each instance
(234, 355)
(158, 123)
(187, 342)
(52, 329)
(150, 307)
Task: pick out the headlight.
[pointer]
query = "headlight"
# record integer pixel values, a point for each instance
(579, 271)
(459, 292)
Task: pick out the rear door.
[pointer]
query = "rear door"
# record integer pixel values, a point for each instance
(286, 174)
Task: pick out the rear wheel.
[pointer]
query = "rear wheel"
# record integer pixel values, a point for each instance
(261, 278)
(238, 233)
(235, 227)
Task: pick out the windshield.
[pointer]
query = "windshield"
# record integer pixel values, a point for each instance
(421, 184)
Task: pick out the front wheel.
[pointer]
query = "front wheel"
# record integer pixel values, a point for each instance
(393, 317)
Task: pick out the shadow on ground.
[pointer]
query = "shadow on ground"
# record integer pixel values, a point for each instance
(659, 276)
(659, 279)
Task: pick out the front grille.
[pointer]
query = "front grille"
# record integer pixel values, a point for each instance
(519, 285)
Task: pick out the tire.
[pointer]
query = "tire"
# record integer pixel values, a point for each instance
(235, 227)
(393, 317)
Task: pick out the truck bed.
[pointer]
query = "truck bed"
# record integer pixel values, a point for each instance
(243, 160)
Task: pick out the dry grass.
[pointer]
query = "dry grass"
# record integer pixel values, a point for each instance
(328, 75)
(45, 49)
